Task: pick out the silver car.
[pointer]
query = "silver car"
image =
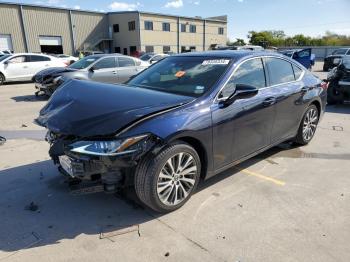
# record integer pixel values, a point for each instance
(105, 68)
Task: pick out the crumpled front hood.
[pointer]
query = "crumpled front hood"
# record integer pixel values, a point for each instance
(53, 71)
(87, 109)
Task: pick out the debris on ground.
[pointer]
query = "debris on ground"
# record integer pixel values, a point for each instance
(119, 230)
(240, 205)
(23, 125)
(167, 254)
(32, 207)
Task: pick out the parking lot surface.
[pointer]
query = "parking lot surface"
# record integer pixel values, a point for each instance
(287, 204)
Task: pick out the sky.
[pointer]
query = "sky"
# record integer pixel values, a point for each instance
(309, 17)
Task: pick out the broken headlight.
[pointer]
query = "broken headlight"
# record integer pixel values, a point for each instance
(107, 147)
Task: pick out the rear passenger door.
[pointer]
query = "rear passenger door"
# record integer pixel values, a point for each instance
(38, 63)
(287, 90)
(104, 70)
(126, 69)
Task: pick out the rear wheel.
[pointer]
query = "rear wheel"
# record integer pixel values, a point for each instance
(307, 126)
(2, 79)
(166, 182)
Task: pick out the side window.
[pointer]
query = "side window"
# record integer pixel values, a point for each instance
(297, 72)
(250, 73)
(125, 62)
(108, 62)
(19, 59)
(280, 71)
(39, 58)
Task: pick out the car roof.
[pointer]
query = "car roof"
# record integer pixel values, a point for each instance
(235, 54)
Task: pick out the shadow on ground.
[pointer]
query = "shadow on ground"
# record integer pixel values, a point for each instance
(342, 109)
(37, 209)
(29, 98)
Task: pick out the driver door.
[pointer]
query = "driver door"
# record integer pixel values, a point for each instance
(243, 126)
(18, 68)
(104, 70)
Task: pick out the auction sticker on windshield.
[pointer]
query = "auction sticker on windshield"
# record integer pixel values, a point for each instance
(216, 62)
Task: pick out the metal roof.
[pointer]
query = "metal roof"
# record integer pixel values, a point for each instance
(116, 12)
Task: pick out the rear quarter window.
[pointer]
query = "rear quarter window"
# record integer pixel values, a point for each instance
(297, 72)
(280, 71)
(39, 58)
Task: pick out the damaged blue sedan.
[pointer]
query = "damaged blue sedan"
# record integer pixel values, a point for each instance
(182, 120)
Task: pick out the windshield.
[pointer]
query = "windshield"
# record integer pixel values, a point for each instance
(84, 63)
(189, 76)
(146, 57)
(4, 57)
(339, 52)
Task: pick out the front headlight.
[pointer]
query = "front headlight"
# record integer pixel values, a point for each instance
(58, 80)
(107, 147)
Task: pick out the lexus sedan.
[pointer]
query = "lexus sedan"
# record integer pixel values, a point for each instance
(106, 68)
(185, 118)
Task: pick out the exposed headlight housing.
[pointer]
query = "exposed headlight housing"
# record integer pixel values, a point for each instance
(58, 80)
(107, 147)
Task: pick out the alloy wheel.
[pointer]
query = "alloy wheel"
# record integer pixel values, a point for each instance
(310, 124)
(177, 179)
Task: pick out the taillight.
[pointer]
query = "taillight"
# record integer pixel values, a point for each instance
(324, 85)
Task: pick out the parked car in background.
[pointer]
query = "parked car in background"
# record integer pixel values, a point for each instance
(23, 66)
(186, 118)
(6, 52)
(244, 47)
(88, 53)
(105, 68)
(339, 82)
(67, 59)
(334, 59)
(303, 56)
(152, 58)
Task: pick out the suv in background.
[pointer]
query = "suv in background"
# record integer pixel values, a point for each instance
(22, 67)
(334, 59)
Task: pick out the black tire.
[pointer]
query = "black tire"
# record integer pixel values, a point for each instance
(149, 169)
(300, 138)
(334, 97)
(2, 79)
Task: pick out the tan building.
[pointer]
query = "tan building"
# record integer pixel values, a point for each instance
(33, 28)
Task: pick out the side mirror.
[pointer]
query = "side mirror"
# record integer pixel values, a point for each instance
(7, 62)
(242, 92)
(92, 69)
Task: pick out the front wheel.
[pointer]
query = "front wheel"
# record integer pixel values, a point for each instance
(307, 126)
(2, 79)
(166, 181)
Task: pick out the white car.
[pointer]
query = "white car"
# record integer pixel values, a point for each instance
(152, 58)
(23, 66)
(5, 52)
(67, 59)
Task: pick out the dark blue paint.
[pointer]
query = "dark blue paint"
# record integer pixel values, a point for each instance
(227, 134)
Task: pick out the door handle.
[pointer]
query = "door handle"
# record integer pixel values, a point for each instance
(269, 101)
(25, 66)
(306, 88)
(115, 72)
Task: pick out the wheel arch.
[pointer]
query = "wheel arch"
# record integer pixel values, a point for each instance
(200, 149)
(318, 106)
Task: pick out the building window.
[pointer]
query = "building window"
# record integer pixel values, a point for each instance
(192, 48)
(132, 26)
(183, 28)
(166, 27)
(117, 49)
(132, 50)
(116, 28)
(149, 48)
(166, 49)
(193, 29)
(221, 30)
(183, 49)
(149, 25)
(125, 51)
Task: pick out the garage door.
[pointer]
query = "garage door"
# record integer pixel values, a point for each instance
(5, 42)
(51, 44)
